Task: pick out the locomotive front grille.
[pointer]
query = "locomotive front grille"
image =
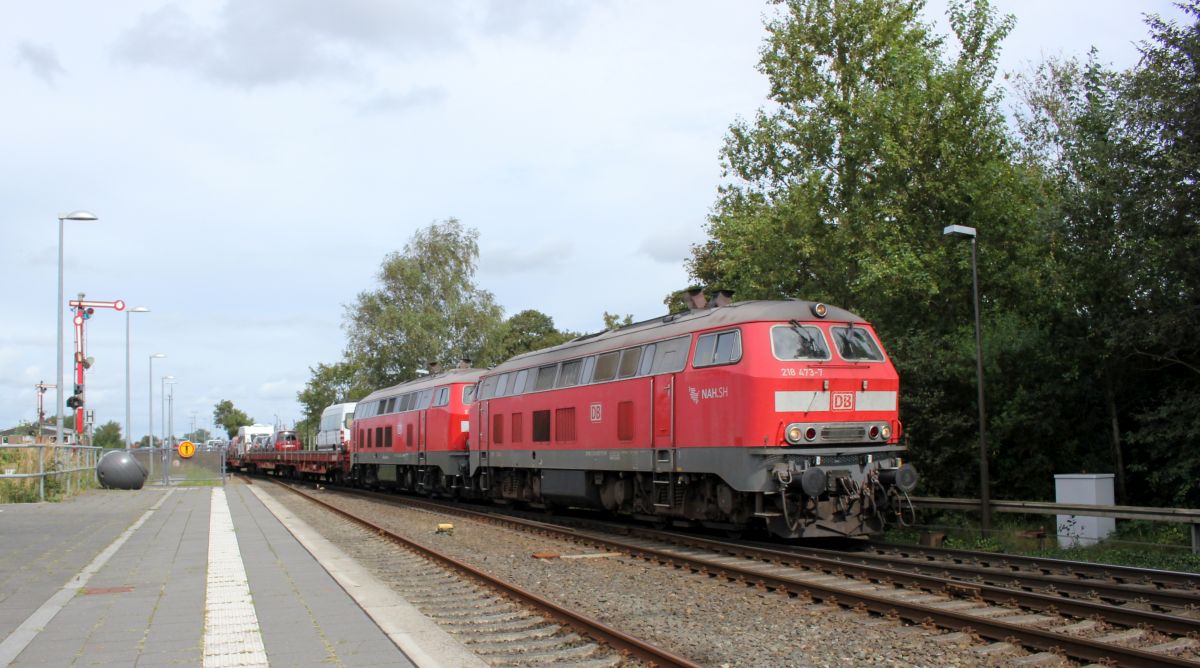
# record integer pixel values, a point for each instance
(840, 460)
(848, 434)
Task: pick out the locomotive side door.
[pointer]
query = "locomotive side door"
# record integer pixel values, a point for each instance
(664, 411)
(482, 441)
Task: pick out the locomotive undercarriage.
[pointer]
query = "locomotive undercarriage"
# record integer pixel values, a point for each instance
(792, 495)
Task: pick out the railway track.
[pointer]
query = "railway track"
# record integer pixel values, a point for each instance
(1162, 591)
(1113, 628)
(502, 623)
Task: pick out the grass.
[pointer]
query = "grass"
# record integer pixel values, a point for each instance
(1137, 543)
(25, 460)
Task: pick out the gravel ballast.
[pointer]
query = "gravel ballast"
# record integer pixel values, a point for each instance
(707, 619)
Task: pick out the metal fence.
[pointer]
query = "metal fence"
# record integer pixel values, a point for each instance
(1189, 516)
(166, 467)
(53, 470)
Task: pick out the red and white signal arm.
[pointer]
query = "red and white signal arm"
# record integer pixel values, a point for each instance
(118, 305)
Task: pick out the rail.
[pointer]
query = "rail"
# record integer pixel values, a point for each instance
(62, 462)
(1177, 515)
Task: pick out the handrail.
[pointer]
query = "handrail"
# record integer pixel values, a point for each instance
(1179, 515)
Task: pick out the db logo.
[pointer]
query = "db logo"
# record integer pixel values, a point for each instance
(595, 412)
(843, 401)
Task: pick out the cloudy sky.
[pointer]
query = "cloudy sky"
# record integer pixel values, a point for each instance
(252, 162)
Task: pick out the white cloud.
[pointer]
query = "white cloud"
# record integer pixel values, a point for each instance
(277, 41)
(41, 60)
(418, 96)
(672, 245)
(507, 260)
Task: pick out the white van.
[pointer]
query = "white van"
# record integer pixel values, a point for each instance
(334, 430)
(246, 435)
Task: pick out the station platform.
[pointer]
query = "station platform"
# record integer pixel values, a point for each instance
(195, 576)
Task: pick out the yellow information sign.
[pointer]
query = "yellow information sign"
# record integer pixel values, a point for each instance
(187, 449)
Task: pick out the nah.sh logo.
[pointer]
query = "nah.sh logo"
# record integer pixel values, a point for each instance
(843, 401)
(694, 395)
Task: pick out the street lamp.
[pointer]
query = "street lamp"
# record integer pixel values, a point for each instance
(150, 384)
(75, 215)
(166, 454)
(985, 509)
(128, 413)
(162, 387)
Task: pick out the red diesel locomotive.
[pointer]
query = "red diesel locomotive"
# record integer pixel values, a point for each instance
(413, 436)
(778, 412)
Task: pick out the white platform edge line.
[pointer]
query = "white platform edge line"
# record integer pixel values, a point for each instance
(406, 626)
(232, 636)
(19, 639)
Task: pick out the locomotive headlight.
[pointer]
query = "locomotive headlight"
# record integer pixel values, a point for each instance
(885, 431)
(820, 310)
(794, 433)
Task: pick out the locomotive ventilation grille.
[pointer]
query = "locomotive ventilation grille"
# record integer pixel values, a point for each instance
(840, 460)
(842, 434)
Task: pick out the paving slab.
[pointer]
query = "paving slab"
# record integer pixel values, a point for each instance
(126, 578)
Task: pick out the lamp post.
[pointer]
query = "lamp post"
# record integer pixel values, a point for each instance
(166, 453)
(985, 509)
(150, 384)
(128, 410)
(58, 307)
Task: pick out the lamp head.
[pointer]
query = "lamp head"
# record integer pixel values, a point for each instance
(78, 215)
(139, 309)
(158, 356)
(959, 231)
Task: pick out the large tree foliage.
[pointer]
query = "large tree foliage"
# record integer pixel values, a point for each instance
(108, 435)
(229, 417)
(525, 331)
(426, 309)
(1118, 151)
(876, 136)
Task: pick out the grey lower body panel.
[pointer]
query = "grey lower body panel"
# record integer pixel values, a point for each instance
(743, 469)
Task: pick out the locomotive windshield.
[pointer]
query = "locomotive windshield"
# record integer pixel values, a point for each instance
(855, 344)
(799, 342)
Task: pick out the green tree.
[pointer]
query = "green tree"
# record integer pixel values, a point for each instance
(328, 384)
(149, 442)
(108, 435)
(524, 332)
(876, 136)
(1164, 95)
(614, 321)
(230, 417)
(199, 436)
(426, 309)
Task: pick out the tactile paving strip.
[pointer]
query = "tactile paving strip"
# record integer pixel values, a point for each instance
(231, 633)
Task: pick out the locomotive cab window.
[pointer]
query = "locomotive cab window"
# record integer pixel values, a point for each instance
(519, 384)
(606, 367)
(569, 377)
(629, 362)
(647, 359)
(670, 355)
(855, 344)
(487, 389)
(468, 395)
(798, 342)
(502, 384)
(718, 348)
(545, 377)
